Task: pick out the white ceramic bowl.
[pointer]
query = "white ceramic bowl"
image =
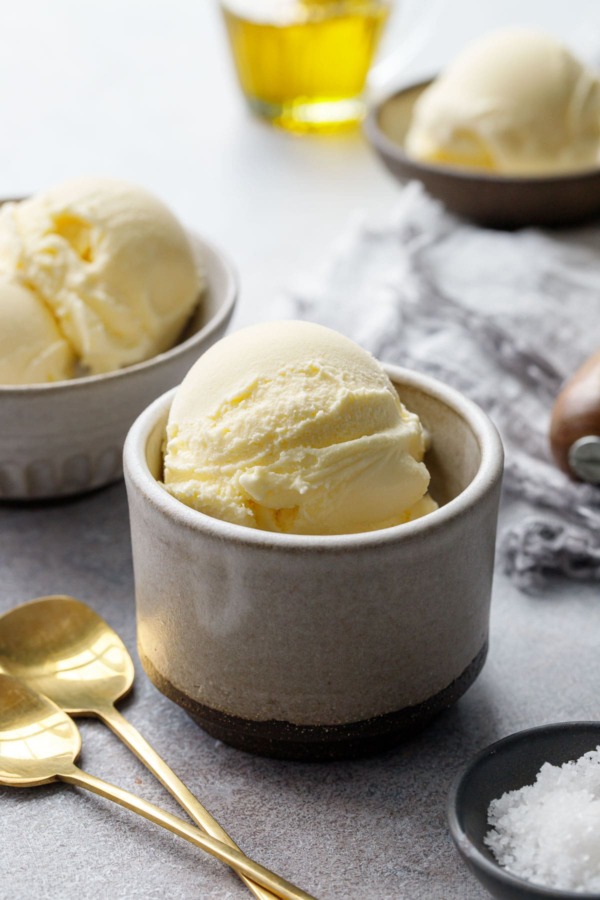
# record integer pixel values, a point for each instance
(319, 647)
(67, 437)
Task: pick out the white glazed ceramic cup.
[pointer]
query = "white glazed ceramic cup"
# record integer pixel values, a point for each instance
(67, 437)
(320, 647)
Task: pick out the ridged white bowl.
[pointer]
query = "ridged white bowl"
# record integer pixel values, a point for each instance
(67, 437)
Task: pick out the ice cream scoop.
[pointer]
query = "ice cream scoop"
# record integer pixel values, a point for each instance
(111, 263)
(292, 427)
(32, 348)
(516, 101)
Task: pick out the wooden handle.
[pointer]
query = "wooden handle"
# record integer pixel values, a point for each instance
(576, 411)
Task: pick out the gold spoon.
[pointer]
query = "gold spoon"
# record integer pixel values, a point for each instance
(64, 650)
(39, 743)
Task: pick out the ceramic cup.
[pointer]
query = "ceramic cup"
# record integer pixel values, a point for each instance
(319, 647)
(67, 437)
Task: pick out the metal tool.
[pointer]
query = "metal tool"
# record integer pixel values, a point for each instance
(64, 650)
(39, 743)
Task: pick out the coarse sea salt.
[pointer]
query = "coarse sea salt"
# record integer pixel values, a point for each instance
(549, 832)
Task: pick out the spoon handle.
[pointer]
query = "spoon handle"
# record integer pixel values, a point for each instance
(148, 755)
(234, 858)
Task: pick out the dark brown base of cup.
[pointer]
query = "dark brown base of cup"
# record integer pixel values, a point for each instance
(314, 743)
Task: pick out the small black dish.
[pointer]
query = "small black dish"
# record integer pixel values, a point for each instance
(497, 201)
(508, 765)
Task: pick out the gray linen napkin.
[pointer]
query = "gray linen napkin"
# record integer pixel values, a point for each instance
(503, 316)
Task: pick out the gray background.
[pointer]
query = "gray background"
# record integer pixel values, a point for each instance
(144, 91)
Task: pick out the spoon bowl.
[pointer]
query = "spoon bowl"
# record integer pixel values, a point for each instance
(39, 744)
(64, 650)
(37, 740)
(508, 765)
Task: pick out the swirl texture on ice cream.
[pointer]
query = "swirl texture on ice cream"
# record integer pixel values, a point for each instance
(45, 355)
(111, 264)
(292, 427)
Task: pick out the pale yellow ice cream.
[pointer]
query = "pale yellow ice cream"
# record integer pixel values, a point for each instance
(292, 427)
(32, 348)
(110, 261)
(515, 102)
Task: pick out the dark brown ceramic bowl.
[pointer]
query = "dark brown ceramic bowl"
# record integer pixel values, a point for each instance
(494, 200)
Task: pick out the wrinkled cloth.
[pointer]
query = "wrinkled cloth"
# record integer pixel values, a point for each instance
(504, 317)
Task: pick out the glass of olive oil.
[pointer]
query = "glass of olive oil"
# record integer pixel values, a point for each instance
(303, 64)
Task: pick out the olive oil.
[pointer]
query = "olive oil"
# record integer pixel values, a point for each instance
(303, 64)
